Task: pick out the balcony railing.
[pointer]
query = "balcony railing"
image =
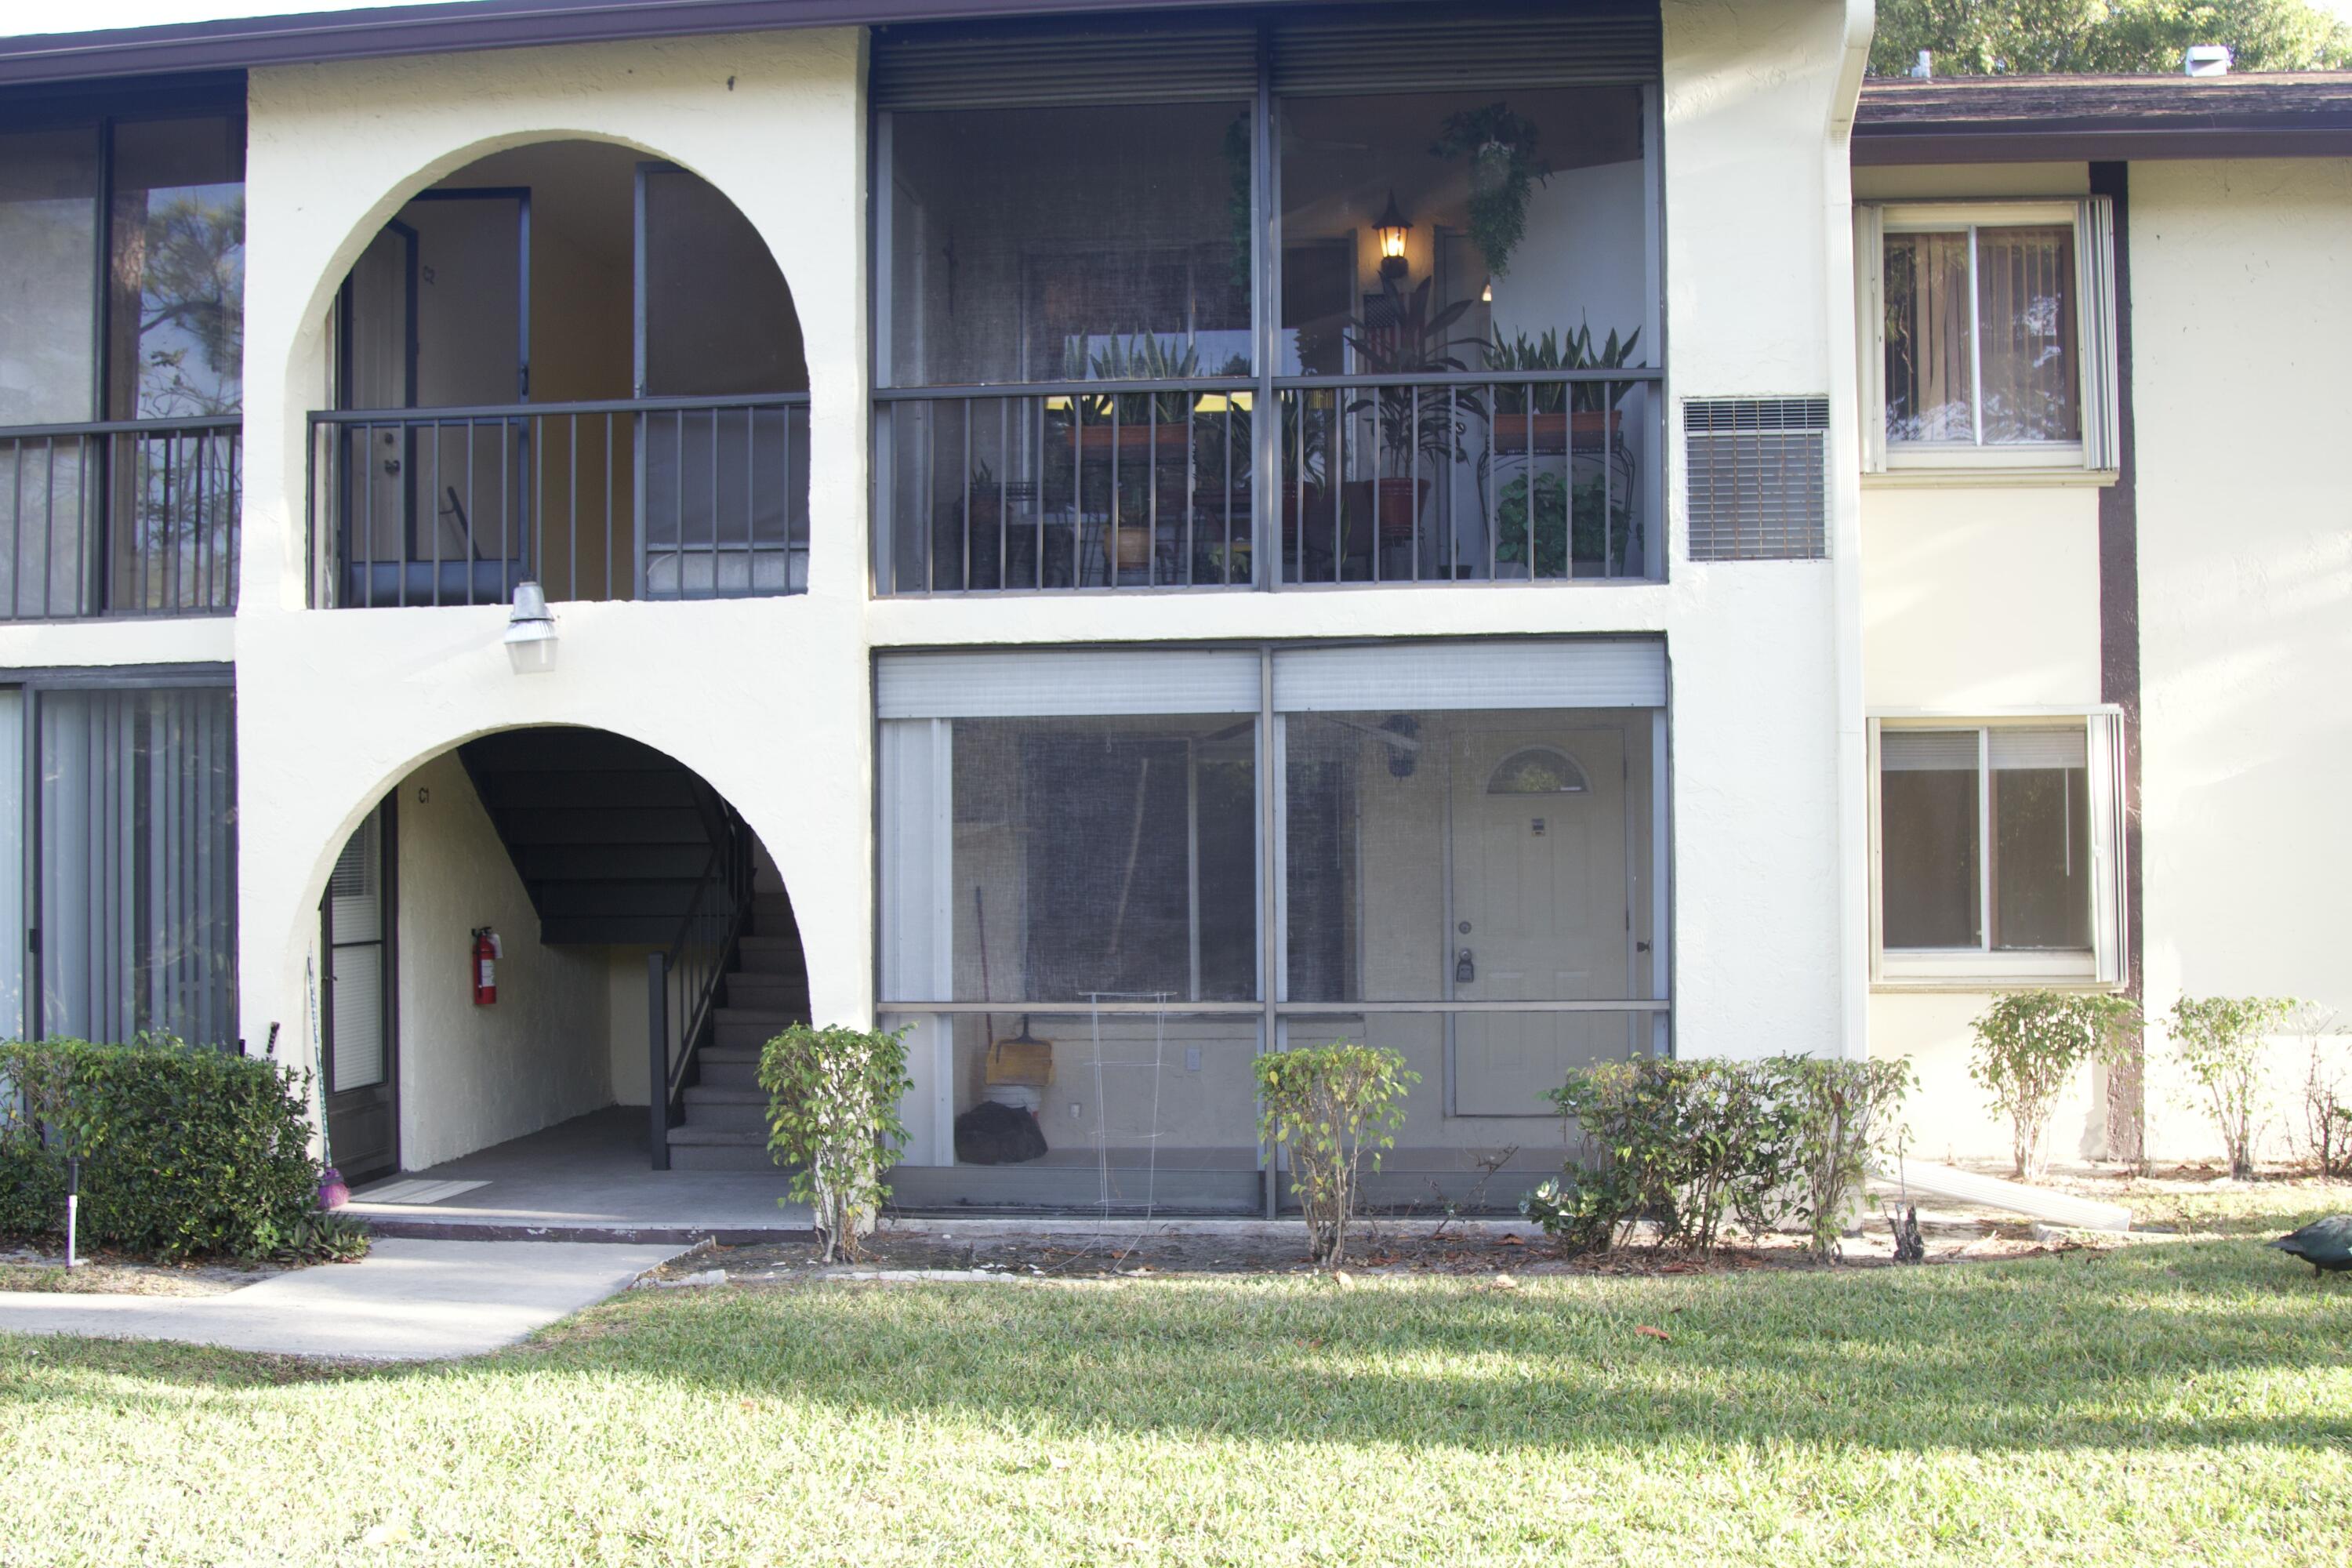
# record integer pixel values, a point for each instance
(630, 499)
(1082, 484)
(1499, 476)
(120, 518)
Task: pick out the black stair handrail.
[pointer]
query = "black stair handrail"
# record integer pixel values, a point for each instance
(684, 980)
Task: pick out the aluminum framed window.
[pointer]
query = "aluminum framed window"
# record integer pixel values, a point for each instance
(1987, 335)
(1996, 849)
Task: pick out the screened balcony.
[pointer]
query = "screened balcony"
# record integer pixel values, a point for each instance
(122, 345)
(1152, 330)
(654, 446)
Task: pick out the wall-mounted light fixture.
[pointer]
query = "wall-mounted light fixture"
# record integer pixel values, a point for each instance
(530, 632)
(1392, 228)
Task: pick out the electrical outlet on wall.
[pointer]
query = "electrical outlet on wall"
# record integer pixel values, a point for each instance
(1192, 1058)
(1075, 1111)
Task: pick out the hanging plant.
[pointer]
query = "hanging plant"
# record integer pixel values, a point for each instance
(1503, 166)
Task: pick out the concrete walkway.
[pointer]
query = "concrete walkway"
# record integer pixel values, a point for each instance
(587, 1179)
(408, 1300)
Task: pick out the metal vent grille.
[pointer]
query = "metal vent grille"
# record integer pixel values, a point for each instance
(1758, 478)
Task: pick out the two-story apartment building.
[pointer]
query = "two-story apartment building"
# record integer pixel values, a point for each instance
(1116, 538)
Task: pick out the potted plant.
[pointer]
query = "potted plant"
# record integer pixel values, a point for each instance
(1504, 167)
(1414, 421)
(1539, 417)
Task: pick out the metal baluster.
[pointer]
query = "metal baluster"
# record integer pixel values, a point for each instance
(751, 501)
(966, 466)
(1608, 479)
(1491, 503)
(612, 562)
(1004, 492)
(1568, 501)
(1225, 560)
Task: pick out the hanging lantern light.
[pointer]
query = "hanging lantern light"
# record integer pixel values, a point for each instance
(1392, 228)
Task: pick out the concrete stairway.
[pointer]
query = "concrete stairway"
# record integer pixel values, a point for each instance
(726, 1124)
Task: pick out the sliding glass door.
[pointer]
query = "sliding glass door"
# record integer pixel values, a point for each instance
(124, 922)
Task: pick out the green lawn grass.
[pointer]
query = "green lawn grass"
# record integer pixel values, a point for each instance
(2185, 1401)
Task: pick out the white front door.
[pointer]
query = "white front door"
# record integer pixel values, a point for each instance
(1539, 909)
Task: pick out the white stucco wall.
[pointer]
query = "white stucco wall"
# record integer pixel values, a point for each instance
(334, 707)
(2245, 563)
(472, 1076)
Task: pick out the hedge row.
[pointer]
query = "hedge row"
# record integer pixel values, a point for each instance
(184, 1151)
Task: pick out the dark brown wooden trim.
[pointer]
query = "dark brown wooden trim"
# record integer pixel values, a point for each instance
(2119, 666)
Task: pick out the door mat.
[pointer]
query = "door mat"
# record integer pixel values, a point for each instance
(415, 1190)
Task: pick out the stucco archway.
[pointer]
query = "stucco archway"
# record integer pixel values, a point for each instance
(606, 884)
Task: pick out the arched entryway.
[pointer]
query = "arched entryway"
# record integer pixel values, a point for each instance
(571, 363)
(640, 947)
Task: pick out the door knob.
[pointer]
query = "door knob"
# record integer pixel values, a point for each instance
(1465, 969)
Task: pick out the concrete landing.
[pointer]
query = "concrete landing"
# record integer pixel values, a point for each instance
(588, 1180)
(407, 1300)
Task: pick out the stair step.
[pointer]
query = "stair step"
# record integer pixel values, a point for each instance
(698, 1095)
(769, 956)
(784, 993)
(746, 1115)
(722, 1157)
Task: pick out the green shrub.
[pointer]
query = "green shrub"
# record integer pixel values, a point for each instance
(1328, 1104)
(1688, 1144)
(1693, 1146)
(2219, 1040)
(832, 1111)
(184, 1151)
(2029, 1044)
(1841, 1117)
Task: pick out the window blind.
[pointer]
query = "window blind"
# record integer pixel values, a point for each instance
(2038, 750)
(138, 863)
(1927, 750)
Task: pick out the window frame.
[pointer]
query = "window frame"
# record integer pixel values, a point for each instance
(2089, 459)
(2102, 966)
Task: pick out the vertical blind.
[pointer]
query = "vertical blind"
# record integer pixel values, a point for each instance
(138, 863)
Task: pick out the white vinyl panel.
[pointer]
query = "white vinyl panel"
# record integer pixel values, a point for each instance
(12, 864)
(1019, 683)
(1501, 674)
(916, 838)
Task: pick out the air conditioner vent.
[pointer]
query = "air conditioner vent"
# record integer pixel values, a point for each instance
(1758, 478)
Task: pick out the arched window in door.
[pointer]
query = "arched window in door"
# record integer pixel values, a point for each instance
(1536, 769)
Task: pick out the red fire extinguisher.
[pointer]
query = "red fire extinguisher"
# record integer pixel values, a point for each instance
(486, 966)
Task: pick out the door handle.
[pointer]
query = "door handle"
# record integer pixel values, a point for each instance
(1465, 968)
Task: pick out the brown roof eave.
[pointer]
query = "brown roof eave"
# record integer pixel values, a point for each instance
(242, 43)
